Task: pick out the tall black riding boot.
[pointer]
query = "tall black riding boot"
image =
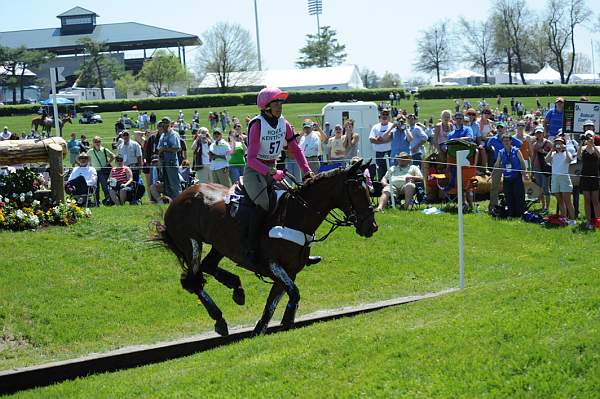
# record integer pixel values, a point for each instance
(255, 231)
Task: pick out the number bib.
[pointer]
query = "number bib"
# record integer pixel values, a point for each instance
(272, 140)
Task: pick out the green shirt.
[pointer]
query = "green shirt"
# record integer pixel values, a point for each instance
(99, 158)
(237, 156)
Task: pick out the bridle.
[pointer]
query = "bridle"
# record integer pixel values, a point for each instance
(349, 218)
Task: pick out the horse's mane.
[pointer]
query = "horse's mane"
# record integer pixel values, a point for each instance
(321, 176)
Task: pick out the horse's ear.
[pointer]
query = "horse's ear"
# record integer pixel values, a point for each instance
(355, 167)
(366, 165)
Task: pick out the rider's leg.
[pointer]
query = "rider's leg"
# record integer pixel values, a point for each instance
(258, 188)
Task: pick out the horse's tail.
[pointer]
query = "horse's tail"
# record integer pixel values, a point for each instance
(160, 235)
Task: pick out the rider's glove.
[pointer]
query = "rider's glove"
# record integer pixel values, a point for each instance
(279, 175)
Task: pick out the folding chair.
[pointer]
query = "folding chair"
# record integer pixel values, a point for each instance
(86, 200)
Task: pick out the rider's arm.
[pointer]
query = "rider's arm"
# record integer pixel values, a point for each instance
(254, 147)
(295, 149)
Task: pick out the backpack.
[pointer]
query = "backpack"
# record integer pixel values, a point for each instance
(555, 220)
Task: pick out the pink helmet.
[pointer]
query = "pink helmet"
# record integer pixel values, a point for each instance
(269, 94)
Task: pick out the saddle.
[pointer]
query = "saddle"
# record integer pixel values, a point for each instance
(239, 205)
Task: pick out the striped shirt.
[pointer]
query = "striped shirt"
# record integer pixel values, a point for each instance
(120, 174)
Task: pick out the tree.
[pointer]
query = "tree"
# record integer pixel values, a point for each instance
(561, 20)
(97, 65)
(16, 61)
(227, 49)
(369, 77)
(322, 50)
(433, 49)
(511, 20)
(127, 82)
(161, 72)
(478, 38)
(390, 79)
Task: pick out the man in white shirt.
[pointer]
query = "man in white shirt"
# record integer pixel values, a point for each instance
(220, 152)
(5, 135)
(310, 142)
(131, 152)
(200, 149)
(417, 138)
(82, 177)
(381, 145)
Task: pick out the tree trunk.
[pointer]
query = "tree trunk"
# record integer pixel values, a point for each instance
(22, 84)
(100, 80)
(572, 57)
(509, 59)
(437, 70)
(13, 152)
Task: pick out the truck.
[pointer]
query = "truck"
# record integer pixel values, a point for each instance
(365, 115)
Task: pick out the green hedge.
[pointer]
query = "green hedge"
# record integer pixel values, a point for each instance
(508, 91)
(212, 100)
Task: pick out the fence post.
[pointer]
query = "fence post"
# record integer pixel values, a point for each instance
(55, 158)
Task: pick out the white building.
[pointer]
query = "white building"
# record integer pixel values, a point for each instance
(331, 78)
(87, 93)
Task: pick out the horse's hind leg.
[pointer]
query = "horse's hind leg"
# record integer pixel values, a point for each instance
(210, 265)
(192, 280)
(214, 312)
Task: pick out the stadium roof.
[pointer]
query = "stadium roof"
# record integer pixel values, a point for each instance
(118, 36)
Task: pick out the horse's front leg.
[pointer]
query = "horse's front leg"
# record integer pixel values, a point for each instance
(280, 276)
(214, 312)
(272, 301)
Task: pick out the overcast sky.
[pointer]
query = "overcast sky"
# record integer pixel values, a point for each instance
(380, 35)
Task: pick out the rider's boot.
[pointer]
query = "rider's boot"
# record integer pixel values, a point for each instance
(255, 230)
(313, 260)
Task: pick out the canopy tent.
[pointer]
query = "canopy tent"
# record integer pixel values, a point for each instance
(546, 74)
(59, 101)
(463, 77)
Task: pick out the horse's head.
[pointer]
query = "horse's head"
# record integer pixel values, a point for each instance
(355, 202)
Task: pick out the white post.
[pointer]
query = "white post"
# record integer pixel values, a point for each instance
(461, 160)
(392, 196)
(54, 106)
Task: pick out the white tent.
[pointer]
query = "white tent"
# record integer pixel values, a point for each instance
(331, 78)
(18, 71)
(463, 77)
(545, 75)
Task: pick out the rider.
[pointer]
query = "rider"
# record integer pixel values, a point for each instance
(268, 133)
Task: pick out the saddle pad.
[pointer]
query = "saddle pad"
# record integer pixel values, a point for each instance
(295, 236)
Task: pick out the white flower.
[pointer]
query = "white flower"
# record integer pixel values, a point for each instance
(20, 214)
(34, 219)
(88, 212)
(35, 203)
(29, 194)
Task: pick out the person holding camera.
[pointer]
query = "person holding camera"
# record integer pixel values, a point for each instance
(398, 135)
(561, 185)
(514, 172)
(100, 159)
(237, 160)
(169, 145)
(589, 183)
(201, 160)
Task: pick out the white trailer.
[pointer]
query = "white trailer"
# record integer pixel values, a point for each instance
(364, 114)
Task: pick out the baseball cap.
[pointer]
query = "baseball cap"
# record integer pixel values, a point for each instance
(385, 111)
(589, 122)
(559, 100)
(165, 119)
(539, 130)
(500, 124)
(217, 131)
(307, 124)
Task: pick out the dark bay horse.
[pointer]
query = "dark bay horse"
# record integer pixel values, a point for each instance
(199, 215)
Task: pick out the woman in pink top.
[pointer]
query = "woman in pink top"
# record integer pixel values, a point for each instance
(268, 134)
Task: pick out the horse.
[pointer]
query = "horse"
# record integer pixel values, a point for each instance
(199, 215)
(48, 123)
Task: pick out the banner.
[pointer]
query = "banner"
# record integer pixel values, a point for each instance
(577, 112)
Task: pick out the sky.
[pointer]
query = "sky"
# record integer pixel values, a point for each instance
(379, 35)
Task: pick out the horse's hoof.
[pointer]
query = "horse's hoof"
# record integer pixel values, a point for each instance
(239, 296)
(221, 328)
(287, 325)
(260, 329)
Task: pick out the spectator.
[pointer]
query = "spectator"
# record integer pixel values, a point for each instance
(459, 129)
(181, 126)
(182, 153)
(180, 116)
(186, 173)
(131, 152)
(84, 144)
(219, 152)
(553, 119)
(337, 152)
(6, 134)
(155, 185)
(310, 142)
(397, 132)
(140, 120)
(351, 139)
(561, 185)
(168, 146)
(400, 179)
(574, 168)
(82, 177)
(120, 181)
(494, 145)
(541, 169)
(237, 161)
(416, 109)
(440, 135)
(381, 145)
(152, 120)
(100, 159)
(513, 169)
(525, 140)
(417, 139)
(201, 148)
(74, 148)
(589, 154)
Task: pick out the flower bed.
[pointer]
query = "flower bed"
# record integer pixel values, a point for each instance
(19, 210)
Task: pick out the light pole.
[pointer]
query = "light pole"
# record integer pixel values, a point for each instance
(315, 7)
(257, 36)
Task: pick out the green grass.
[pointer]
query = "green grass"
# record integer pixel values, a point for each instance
(531, 331)
(98, 285)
